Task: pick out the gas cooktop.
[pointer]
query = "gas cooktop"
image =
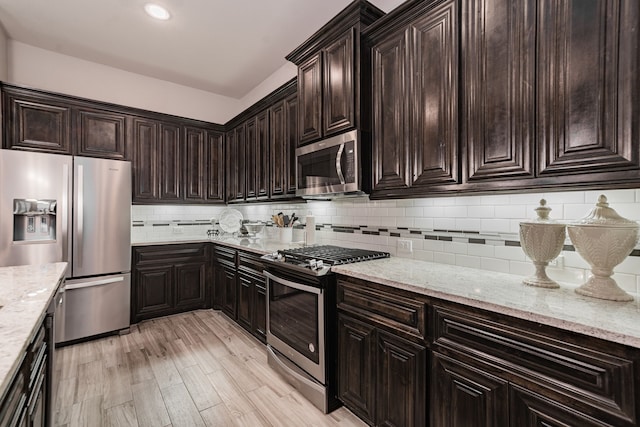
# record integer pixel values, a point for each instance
(318, 260)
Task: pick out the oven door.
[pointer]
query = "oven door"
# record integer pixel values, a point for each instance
(295, 323)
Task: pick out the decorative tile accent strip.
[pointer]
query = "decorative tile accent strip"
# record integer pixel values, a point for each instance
(511, 243)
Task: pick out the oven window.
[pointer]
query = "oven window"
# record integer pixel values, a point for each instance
(293, 318)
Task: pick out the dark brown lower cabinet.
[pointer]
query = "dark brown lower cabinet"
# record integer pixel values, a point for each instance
(493, 370)
(239, 289)
(465, 396)
(169, 279)
(28, 396)
(382, 359)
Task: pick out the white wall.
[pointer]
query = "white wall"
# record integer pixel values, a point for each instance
(43, 69)
(4, 59)
(285, 73)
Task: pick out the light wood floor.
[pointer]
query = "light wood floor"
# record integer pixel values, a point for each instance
(192, 369)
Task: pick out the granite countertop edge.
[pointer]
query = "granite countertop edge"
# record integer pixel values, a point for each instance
(26, 292)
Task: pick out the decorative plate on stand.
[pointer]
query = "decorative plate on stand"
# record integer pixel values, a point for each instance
(230, 220)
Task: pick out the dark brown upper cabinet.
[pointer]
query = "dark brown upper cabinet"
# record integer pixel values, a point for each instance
(415, 80)
(101, 133)
(332, 67)
(284, 137)
(145, 161)
(587, 86)
(42, 121)
(170, 146)
(215, 166)
(204, 165)
(504, 96)
(261, 147)
(498, 71)
(35, 121)
(262, 155)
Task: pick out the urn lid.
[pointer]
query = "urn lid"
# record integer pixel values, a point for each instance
(543, 216)
(604, 216)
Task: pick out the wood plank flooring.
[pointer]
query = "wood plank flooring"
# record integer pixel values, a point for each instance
(191, 369)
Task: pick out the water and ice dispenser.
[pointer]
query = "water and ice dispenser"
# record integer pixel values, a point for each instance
(34, 220)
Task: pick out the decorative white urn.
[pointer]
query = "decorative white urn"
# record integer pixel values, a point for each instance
(542, 240)
(604, 239)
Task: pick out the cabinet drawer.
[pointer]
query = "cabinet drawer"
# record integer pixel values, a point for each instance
(169, 253)
(14, 401)
(223, 253)
(388, 309)
(250, 263)
(592, 376)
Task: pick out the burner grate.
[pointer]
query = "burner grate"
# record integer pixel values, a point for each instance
(333, 255)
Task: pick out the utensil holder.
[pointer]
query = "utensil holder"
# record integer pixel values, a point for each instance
(286, 234)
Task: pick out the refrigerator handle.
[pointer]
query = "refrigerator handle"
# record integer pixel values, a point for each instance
(64, 207)
(93, 283)
(80, 217)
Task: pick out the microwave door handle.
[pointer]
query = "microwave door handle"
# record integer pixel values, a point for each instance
(339, 164)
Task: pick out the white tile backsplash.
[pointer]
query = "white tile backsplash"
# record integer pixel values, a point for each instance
(495, 216)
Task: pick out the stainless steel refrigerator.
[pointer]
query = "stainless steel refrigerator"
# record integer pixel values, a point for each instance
(74, 209)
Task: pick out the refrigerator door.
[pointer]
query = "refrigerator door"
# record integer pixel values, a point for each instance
(96, 305)
(101, 217)
(35, 215)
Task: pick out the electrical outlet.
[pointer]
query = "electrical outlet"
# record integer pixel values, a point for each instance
(178, 230)
(558, 262)
(405, 245)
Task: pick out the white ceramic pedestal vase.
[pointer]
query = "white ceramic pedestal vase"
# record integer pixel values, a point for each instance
(604, 239)
(542, 240)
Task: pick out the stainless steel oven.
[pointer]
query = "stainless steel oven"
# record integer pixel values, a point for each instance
(295, 323)
(302, 318)
(300, 330)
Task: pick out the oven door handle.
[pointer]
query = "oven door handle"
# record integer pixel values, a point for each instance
(293, 285)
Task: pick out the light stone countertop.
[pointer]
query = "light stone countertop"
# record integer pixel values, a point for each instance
(504, 293)
(25, 294)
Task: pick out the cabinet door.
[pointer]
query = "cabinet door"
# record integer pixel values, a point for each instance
(498, 75)
(245, 301)
(216, 166)
(291, 141)
(278, 150)
(230, 164)
(170, 162)
(464, 396)
(310, 100)
(262, 155)
(153, 288)
(391, 113)
(401, 382)
(100, 134)
(587, 86)
(191, 281)
(195, 167)
(249, 171)
(260, 310)
(434, 66)
(238, 163)
(529, 409)
(37, 124)
(145, 160)
(338, 89)
(227, 279)
(356, 367)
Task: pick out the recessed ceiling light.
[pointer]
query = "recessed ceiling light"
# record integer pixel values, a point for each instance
(156, 11)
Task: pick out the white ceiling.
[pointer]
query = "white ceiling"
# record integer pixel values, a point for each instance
(226, 47)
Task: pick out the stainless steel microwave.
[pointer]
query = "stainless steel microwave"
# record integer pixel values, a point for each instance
(331, 168)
